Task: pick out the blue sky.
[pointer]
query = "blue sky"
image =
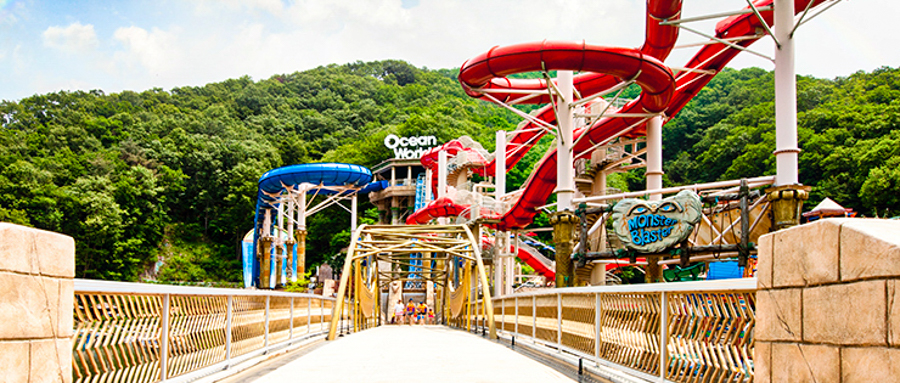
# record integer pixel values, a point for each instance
(48, 46)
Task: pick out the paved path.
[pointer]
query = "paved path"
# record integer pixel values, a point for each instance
(414, 354)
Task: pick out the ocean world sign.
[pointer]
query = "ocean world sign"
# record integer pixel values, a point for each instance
(654, 226)
(409, 148)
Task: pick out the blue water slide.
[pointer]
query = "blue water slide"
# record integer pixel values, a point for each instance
(277, 181)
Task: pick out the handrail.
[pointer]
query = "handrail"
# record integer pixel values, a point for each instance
(671, 332)
(695, 286)
(114, 287)
(163, 333)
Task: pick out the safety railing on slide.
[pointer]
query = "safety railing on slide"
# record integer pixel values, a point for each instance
(131, 332)
(679, 332)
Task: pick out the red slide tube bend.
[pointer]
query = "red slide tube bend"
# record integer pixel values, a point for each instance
(541, 183)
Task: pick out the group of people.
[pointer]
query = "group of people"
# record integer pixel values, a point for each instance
(412, 313)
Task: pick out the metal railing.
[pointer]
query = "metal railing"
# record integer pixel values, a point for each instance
(679, 332)
(132, 332)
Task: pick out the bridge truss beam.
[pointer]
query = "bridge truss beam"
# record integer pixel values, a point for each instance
(454, 265)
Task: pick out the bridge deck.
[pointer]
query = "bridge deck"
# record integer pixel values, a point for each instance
(414, 354)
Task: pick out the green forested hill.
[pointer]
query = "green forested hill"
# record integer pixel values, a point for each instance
(171, 175)
(849, 134)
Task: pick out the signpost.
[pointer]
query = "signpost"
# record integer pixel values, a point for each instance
(650, 227)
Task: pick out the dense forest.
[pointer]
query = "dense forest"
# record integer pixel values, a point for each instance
(162, 184)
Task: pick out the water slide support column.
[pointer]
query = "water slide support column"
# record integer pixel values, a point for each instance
(442, 179)
(279, 245)
(429, 194)
(442, 174)
(564, 219)
(787, 195)
(501, 243)
(498, 263)
(565, 169)
(597, 240)
(265, 258)
(510, 264)
(301, 232)
(291, 240)
(353, 214)
(654, 157)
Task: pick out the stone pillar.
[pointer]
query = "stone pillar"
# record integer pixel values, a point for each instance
(563, 228)
(395, 210)
(597, 240)
(827, 307)
(279, 264)
(598, 274)
(265, 262)
(289, 260)
(301, 252)
(787, 203)
(37, 303)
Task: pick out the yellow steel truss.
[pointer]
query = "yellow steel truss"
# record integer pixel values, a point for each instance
(452, 253)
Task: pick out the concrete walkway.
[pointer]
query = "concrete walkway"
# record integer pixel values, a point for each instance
(414, 354)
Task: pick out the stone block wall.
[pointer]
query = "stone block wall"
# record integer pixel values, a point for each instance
(828, 308)
(36, 305)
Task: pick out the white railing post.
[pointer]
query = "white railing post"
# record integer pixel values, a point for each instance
(228, 327)
(322, 314)
(517, 316)
(663, 334)
(308, 316)
(266, 334)
(533, 317)
(291, 331)
(598, 317)
(164, 339)
(559, 321)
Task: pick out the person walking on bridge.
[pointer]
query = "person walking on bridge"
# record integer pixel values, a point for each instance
(398, 312)
(421, 311)
(411, 311)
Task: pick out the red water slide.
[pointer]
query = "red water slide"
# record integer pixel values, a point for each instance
(658, 43)
(530, 256)
(661, 91)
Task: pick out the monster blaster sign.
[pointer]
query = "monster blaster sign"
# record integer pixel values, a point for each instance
(654, 226)
(409, 148)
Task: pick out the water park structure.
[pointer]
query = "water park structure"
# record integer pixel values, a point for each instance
(276, 253)
(808, 302)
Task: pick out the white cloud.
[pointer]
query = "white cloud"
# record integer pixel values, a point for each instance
(155, 50)
(211, 6)
(73, 38)
(213, 40)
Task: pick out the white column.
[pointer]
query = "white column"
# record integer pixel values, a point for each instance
(498, 263)
(279, 242)
(393, 175)
(500, 165)
(353, 218)
(510, 267)
(428, 192)
(280, 222)
(442, 174)
(565, 171)
(654, 156)
(409, 177)
(291, 206)
(301, 209)
(786, 150)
